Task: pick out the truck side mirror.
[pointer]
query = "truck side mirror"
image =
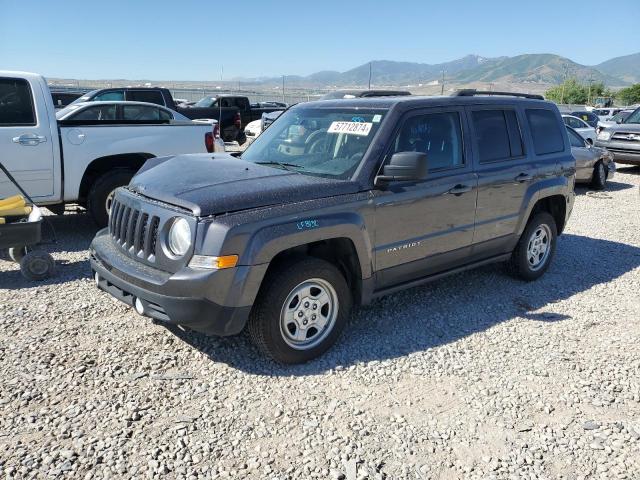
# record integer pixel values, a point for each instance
(404, 166)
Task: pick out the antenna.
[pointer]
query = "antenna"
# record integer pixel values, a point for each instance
(369, 75)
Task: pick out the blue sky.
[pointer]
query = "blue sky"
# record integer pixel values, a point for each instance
(193, 39)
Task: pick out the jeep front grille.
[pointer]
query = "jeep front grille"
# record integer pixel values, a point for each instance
(133, 230)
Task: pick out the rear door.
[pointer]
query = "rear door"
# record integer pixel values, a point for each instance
(427, 226)
(505, 170)
(585, 158)
(26, 143)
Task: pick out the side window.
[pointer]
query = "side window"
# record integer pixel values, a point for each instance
(575, 139)
(497, 134)
(165, 115)
(439, 135)
(226, 102)
(16, 103)
(116, 96)
(148, 96)
(242, 103)
(140, 113)
(96, 113)
(545, 130)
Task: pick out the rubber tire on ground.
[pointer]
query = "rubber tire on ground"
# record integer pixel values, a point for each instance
(101, 189)
(596, 182)
(519, 265)
(16, 253)
(264, 321)
(37, 265)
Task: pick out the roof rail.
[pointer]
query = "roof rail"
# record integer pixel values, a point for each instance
(470, 92)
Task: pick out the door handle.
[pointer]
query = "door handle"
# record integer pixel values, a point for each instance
(459, 189)
(523, 177)
(29, 139)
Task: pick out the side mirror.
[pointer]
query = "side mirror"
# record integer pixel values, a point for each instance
(619, 121)
(404, 166)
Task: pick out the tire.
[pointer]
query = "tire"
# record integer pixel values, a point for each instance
(37, 265)
(276, 334)
(17, 253)
(599, 178)
(524, 257)
(100, 192)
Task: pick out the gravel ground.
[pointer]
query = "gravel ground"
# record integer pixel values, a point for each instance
(475, 376)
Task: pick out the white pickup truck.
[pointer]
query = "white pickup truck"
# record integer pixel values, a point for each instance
(83, 158)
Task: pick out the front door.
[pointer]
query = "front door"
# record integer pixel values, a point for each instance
(427, 226)
(26, 145)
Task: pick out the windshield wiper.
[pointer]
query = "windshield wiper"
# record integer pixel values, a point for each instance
(283, 165)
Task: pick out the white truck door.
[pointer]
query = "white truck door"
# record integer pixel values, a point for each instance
(26, 146)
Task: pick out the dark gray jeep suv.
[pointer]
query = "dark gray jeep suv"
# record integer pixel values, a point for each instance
(337, 203)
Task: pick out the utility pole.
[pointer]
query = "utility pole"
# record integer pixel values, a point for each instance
(589, 97)
(442, 88)
(369, 75)
(564, 81)
(283, 89)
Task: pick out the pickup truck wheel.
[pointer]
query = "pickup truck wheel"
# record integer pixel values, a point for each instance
(536, 248)
(301, 311)
(599, 179)
(101, 194)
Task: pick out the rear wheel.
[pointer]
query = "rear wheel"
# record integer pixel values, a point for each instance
(599, 179)
(535, 249)
(301, 311)
(101, 194)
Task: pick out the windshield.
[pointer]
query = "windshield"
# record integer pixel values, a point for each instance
(206, 102)
(317, 141)
(63, 112)
(84, 98)
(634, 117)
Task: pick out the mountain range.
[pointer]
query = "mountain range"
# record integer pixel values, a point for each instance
(539, 68)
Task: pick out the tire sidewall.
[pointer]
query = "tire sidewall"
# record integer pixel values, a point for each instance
(275, 295)
(523, 264)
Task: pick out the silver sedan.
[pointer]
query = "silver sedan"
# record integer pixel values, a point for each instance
(594, 165)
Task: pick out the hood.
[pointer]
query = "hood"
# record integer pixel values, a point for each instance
(209, 184)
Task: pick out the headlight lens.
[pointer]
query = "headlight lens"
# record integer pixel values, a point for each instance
(179, 237)
(604, 135)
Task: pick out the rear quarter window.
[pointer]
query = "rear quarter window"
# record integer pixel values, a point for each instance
(546, 131)
(16, 103)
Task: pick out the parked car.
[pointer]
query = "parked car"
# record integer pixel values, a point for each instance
(363, 93)
(623, 139)
(589, 118)
(90, 151)
(62, 99)
(580, 126)
(605, 114)
(335, 204)
(594, 165)
(232, 112)
(618, 118)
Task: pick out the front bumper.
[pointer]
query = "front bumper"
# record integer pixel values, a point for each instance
(215, 302)
(621, 152)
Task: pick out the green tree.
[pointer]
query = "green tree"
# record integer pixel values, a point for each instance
(572, 91)
(629, 95)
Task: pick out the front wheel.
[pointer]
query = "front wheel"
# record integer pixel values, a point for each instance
(599, 179)
(301, 310)
(535, 249)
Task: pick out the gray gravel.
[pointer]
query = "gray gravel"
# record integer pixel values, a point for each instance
(475, 376)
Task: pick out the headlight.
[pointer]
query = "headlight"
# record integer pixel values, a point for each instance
(604, 135)
(179, 240)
